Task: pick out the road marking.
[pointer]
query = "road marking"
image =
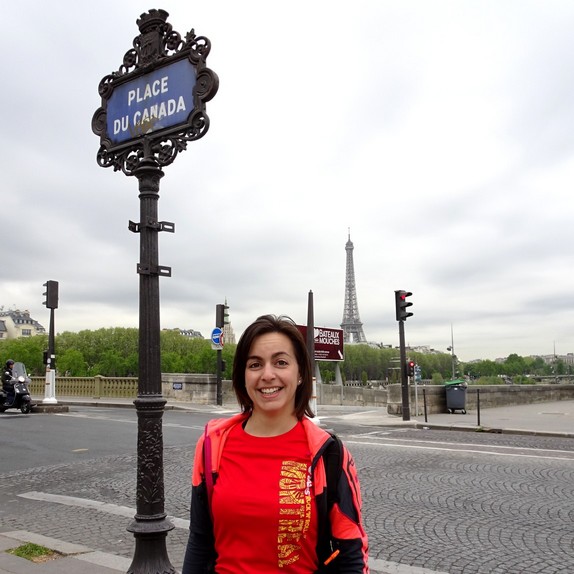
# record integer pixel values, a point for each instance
(467, 450)
(107, 507)
(129, 422)
(376, 434)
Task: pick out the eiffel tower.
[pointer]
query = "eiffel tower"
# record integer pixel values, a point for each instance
(351, 325)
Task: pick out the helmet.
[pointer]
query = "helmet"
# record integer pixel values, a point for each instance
(9, 363)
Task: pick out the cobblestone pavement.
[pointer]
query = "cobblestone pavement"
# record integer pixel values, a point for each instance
(478, 504)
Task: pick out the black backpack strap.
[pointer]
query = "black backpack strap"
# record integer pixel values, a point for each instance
(333, 461)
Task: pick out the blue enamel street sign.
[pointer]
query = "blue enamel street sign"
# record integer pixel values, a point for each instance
(151, 102)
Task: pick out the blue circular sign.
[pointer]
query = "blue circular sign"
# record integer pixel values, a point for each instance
(217, 337)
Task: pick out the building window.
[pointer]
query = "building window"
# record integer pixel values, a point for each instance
(26, 332)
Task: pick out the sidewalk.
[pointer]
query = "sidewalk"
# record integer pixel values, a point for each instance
(74, 559)
(545, 419)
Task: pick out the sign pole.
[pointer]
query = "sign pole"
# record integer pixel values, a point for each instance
(311, 349)
(150, 525)
(50, 387)
(152, 106)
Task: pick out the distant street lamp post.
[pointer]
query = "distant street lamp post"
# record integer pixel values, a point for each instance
(452, 356)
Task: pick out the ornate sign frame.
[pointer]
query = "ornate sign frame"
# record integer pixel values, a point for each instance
(157, 46)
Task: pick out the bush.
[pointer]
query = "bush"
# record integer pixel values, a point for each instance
(437, 379)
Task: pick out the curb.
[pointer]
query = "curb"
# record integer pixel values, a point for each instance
(68, 550)
(493, 430)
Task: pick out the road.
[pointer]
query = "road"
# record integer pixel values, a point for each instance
(457, 502)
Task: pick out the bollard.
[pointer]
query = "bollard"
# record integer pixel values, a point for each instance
(478, 407)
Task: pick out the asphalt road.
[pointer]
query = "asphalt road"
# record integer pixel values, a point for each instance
(448, 501)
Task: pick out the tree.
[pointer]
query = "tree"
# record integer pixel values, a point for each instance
(72, 363)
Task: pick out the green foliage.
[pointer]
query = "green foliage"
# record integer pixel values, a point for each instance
(28, 350)
(437, 379)
(71, 362)
(514, 366)
(115, 351)
(492, 380)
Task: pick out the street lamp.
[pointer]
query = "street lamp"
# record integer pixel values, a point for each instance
(452, 356)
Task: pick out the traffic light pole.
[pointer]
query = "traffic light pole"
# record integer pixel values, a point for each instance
(51, 302)
(50, 390)
(219, 378)
(220, 323)
(402, 314)
(404, 379)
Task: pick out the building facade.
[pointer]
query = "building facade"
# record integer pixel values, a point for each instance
(16, 324)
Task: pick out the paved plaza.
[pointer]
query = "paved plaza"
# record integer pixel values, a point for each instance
(86, 519)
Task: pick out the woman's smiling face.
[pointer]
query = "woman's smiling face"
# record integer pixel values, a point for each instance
(272, 374)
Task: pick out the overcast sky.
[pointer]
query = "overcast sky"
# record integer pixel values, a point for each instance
(441, 133)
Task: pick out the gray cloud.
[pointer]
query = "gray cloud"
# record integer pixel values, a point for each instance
(439, 133)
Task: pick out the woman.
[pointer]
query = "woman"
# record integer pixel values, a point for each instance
(260, 501)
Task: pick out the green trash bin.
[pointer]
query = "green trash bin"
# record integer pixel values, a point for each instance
(456, 396)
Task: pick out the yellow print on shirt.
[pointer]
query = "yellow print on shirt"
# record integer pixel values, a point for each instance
(294, 511)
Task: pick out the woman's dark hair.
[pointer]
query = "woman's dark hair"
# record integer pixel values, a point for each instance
(273, 324)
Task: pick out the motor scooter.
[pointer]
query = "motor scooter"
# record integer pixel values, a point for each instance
(21, 399)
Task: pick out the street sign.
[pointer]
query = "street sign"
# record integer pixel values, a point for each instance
(217, 339)
(159, 100)
(327, 343)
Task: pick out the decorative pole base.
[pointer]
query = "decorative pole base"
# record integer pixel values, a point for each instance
(150, 556)
(150, 525)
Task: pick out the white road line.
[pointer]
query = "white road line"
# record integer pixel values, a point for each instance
(126, 421)
(473, 451)
(116, 509)
(470, 444)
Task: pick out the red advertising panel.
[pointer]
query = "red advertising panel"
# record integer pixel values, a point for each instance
(328, 343)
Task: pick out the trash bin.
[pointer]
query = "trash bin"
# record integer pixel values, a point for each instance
(456, 396)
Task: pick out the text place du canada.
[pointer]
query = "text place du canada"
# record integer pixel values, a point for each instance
(161, 99)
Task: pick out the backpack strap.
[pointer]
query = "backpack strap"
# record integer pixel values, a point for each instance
(333, 460)
(207, 466)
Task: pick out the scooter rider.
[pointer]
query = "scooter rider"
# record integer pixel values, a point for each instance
(8, 382)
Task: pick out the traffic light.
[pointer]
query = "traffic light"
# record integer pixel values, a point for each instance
(401, 305)
(220, 315)
(51, 294)
(411, 368)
